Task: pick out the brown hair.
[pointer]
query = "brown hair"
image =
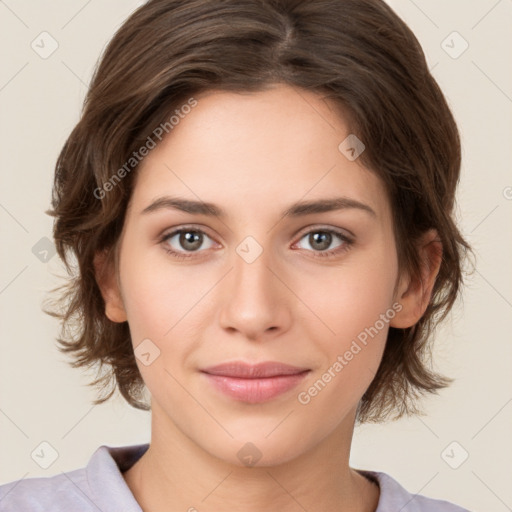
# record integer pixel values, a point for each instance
(358, 53)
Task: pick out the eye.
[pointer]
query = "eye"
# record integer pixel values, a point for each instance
(321, 239)
(187, 240)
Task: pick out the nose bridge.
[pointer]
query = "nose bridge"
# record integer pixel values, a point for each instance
(253, 302)
(252, 277)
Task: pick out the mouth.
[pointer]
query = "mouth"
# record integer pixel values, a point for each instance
(254, 383)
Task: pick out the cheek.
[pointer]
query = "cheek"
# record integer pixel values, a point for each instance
(351, 298)
(158, 296)
(358, 323)
(359, 319)
(354, 306)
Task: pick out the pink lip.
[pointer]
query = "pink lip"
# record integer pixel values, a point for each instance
(254, 383)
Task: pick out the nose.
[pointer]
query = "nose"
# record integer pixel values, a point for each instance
(255, 300)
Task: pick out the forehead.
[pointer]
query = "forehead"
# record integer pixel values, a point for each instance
(282, 143)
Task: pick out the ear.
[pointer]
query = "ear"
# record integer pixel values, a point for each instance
(109, 286)
(414, 294)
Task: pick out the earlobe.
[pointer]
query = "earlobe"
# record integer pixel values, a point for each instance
(107, 282)
(414, 293)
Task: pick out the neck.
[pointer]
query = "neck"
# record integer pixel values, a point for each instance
(175, 474)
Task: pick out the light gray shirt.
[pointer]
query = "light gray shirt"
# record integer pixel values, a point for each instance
(100, 487)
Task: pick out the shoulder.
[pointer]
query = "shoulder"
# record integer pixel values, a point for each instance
(98, 486)
(67, 491)
(395, 497)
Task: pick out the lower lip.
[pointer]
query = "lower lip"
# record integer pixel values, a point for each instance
(255, 391)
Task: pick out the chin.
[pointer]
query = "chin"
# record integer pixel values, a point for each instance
(254, 449)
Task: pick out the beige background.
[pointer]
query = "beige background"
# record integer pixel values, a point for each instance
(43, 399)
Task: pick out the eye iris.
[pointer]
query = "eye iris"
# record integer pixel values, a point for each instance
(191, 237)
(323, 238)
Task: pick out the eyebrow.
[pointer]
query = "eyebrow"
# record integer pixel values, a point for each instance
(295, 210)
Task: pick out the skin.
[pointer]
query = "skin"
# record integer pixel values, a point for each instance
(254, 155)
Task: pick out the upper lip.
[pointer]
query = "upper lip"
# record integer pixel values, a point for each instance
(242, 370)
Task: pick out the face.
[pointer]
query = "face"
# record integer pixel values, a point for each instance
(263, 280)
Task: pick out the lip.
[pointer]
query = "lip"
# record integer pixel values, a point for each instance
(242, 370)
(254, 383)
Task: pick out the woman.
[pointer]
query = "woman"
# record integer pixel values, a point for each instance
(259, 196)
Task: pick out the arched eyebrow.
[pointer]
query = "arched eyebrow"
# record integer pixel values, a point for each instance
(298, 209)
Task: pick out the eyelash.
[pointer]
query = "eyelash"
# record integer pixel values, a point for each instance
(347, 242)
